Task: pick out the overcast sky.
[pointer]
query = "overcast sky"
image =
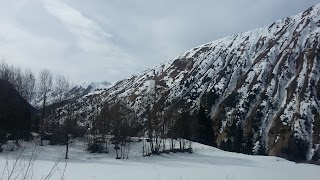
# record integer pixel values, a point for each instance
(98, 40)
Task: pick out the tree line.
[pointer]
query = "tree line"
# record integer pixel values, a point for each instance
(27, 85)
(23, 80)
(162, 130)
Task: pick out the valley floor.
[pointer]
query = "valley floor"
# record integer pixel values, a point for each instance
(205, 163)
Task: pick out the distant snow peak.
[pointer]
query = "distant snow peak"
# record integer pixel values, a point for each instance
(74, 92)
(96, 85)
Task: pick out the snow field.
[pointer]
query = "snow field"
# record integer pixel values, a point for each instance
(205, 163)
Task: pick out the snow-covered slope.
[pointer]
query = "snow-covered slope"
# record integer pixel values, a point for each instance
(206, 163)
(264, 81)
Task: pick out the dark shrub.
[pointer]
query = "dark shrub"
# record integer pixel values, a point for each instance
(59, 137)
(96, 148)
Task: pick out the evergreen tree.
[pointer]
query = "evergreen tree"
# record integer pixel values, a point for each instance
(226, 145)
(205, 133)
(248, 143)
(238, 145)
(262, 149)
(297, 149)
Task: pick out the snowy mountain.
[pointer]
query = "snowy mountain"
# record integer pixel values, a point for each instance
(74, 92)
(264, 82)
(85, 88)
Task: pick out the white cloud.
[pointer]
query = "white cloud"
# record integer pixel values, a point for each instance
(20, 46)
(88, 34)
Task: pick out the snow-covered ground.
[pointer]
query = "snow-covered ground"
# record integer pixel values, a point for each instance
(205, 163)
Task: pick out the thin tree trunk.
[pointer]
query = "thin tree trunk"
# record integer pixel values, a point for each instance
(67, 131)
(128, 149)
(67, 136)
(143, 142)
(121, 149)
(172, 148)
(42, 119)
(117, 154)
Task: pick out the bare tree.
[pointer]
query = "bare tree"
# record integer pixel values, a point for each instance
(28, 85)
(62, 88)
(119, 121)
(45, 85)
(17, 79)
(3, 67)
(23, 82)
(21, 166)
(67, 124)
(6, 71)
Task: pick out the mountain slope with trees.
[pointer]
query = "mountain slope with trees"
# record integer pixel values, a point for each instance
(16, 115)
(258, 91)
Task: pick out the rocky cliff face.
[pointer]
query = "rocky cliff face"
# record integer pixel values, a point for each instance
(264, 82)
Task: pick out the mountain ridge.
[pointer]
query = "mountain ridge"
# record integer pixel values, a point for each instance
(264, 81)
(76, 91)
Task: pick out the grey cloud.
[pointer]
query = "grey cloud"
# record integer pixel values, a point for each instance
(109, 39)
